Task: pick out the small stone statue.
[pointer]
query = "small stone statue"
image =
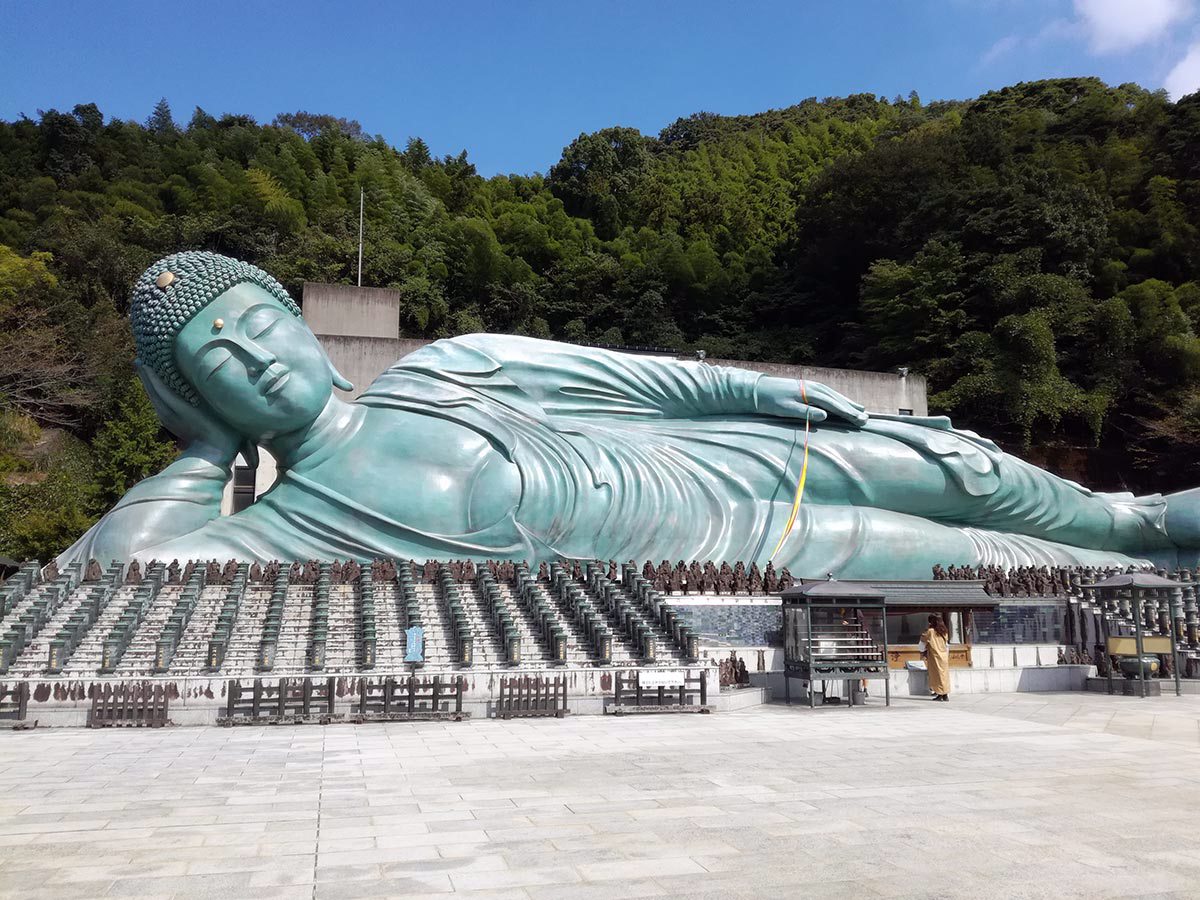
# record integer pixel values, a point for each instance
(676, 582)
(741, 581)
(133, 575)
(743, 677)
(756, 579)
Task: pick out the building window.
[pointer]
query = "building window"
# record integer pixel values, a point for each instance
(904, 412)
(243, 487)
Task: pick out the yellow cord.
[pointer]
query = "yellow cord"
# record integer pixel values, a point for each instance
(787, 529)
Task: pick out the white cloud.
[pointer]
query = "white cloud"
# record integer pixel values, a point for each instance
(1184, 78)
(1054, 30)
(998, 49)
(1116, 25)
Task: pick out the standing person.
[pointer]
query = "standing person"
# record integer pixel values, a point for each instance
(936, 652)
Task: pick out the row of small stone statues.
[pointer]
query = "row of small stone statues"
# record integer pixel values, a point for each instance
(708, 578)
(216, 573)
(1037, 581)
(682, 578)
(695, 578)
(309, 572)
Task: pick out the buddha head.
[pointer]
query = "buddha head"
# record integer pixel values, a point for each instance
(226, 336)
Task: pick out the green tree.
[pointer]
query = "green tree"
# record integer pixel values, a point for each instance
(130, 445)
(600, 173)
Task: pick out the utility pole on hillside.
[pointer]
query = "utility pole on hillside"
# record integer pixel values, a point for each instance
(361, 195)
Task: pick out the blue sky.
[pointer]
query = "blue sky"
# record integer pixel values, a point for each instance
(513, 82)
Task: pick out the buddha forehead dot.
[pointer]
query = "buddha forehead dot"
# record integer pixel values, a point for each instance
(218, 324)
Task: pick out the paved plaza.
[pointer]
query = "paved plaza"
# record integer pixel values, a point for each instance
(1001, 795)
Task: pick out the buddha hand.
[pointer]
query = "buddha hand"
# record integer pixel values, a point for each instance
(784, 397)
(197, 427)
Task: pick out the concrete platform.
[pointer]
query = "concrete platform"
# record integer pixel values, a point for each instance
(989, 796)
(999, 679)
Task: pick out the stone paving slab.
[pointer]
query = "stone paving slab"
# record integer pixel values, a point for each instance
(991, 795)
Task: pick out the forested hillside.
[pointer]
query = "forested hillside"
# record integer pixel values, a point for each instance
(1035, 252)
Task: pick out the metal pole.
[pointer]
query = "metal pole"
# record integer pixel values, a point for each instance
(887, 665)
(787, 671)
(812, 702)
(1175, 602)
(1104, 638)
(361, 195)
(1137, 623)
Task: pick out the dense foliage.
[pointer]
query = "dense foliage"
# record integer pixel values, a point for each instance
(1034, 252)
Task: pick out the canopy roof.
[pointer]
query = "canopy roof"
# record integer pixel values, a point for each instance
(914, 594)
(1138, 580)
(832, 589)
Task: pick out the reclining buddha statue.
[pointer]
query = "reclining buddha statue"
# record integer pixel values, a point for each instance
(497, 446)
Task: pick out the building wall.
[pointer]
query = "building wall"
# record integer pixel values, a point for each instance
(342, 309)
(362, 359)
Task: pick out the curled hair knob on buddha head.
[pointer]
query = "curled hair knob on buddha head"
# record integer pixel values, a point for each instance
(169, 295)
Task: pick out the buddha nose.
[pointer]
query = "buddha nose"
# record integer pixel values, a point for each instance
(260, 358)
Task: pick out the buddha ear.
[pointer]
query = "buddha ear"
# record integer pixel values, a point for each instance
(339, 380)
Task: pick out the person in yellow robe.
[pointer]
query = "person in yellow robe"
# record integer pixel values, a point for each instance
(936, 641)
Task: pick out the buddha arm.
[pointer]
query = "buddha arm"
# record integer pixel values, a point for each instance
(177, 501)
(579, 381)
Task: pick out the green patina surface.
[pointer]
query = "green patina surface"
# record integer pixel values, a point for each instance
(498, 446)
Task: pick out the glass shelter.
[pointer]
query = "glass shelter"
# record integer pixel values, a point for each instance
(835, 631)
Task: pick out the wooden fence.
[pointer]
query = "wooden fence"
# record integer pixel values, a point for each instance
(133, 704)
(289, 701)
(294, 701)
(523, 697)
(14, 701)
(689, 694)
(412, 698)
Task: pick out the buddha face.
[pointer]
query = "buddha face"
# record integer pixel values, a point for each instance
(255, 364)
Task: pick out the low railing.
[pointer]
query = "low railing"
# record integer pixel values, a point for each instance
(527, 697)
(14, 701)
(131, 704)
(650, 690)
(400, 699)
(289, 700)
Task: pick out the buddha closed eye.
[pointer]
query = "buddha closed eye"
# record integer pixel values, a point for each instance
(257, 365)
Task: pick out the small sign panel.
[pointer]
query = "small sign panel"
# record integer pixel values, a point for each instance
(654, 678)
(414, 642)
